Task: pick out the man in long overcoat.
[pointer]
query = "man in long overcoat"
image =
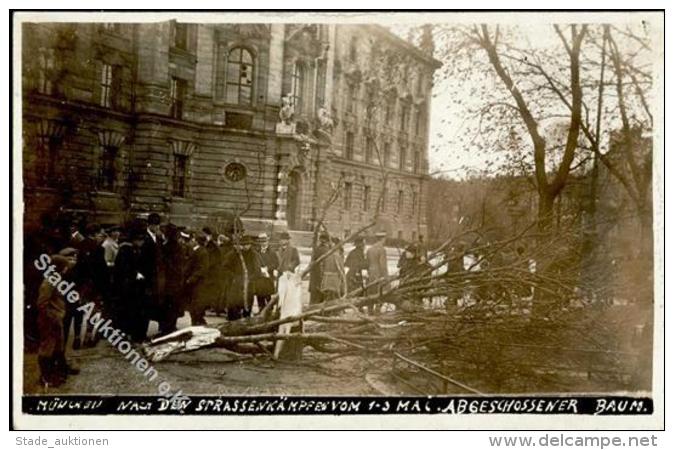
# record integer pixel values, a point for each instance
(197, 285)
(151, 277)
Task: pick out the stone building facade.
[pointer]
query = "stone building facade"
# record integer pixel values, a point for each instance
(277, 123)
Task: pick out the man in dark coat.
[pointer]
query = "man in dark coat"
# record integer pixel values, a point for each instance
(356, 264)
(265, 285)
(288, 256)
(51, 307)
(316, 275)
(88, 277)
(214, 281)
(150, 276)
(127, 289)
(224, 277)
(174, 258)
(196, 280)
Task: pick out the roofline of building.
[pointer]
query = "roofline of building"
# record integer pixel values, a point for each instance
(388, 34)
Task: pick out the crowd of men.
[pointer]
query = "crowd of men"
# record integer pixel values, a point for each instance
(149, 271)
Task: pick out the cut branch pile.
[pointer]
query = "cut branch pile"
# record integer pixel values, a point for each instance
(501, 323)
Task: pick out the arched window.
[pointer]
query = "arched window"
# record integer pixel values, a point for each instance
(299, 75)
(240, 69)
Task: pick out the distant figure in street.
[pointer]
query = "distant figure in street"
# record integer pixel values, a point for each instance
(377, 266)
(356, 266)
(316, 275)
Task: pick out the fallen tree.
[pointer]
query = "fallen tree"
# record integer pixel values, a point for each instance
(481, 319)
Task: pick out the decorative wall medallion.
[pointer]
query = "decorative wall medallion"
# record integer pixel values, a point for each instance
(234, 172)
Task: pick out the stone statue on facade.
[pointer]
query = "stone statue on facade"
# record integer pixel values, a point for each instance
(287, 112)
(325, 121)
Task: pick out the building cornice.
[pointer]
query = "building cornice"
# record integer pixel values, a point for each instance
(398, 41)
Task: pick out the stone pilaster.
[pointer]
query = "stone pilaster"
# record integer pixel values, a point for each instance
(275, 78)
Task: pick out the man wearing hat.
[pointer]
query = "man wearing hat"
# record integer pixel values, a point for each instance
(174, 258)
(265, 285)
(333, 280)
(150, 276)
(377, 265)
(214, 276)
(51, 307)
(127, 288)
(316, 275)
(288, 256)
(356, 266)
(196, 286)
(89, 276)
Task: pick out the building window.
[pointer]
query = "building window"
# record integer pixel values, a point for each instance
(107, 174)
(298, 83)
(110, 86)
(46, 72)
(178, 88)
(417, 161)
(414, 202)
(404, 117)
(369, 147)
(353, 49)
(399, 205)
(387, 153)
(420, 122)
(366, 198)
(49, 158)
(403, 157)
(420, 84)
(352, 98)
(348, 188)
(349, 145)
(180, 35)
(240, 68)
(179, 175)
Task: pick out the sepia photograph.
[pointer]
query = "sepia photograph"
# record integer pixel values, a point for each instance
(414, 215)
